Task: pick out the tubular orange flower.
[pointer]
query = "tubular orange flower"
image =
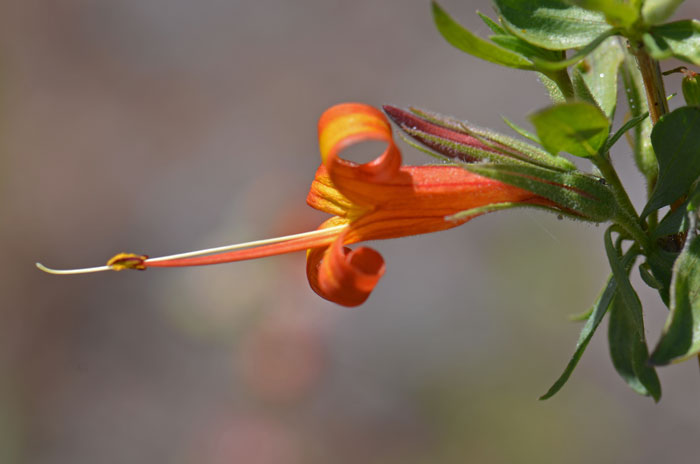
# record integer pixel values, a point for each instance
(380, 199)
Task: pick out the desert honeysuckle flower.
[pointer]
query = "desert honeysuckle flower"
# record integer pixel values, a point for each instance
(380, 199)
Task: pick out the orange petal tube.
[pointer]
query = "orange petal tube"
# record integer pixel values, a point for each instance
(377, 200)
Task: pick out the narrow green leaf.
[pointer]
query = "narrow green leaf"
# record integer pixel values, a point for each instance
(578, 128)
(634, 122)
(629, 353)
(626, 295)
(622, 13)
(680, 39)
(675, 141)
(681, 337)
(519, 46)
(464, 40)
(600, 307)
(493, 25)
(551, 24)
(524, 132)
(543, 64)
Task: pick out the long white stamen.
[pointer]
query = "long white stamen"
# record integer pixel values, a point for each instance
(206, 251)
(85, 270)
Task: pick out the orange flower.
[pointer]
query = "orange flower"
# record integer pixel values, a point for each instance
(378, 200)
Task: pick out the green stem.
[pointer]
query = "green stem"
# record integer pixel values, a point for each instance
(563, 81)
(627, 217)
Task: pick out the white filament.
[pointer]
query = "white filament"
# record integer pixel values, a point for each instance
(191, 254)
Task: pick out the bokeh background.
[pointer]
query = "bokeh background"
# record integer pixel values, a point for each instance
(160, 126)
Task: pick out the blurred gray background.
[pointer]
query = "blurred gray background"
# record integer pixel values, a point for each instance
(162, 126)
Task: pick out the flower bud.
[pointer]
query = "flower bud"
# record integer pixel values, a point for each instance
(460, 140)
(691, 88)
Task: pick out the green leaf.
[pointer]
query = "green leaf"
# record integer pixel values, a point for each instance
(675, 141)
(681, 337)
(622, 13)
(658, 11)
(601, 72)
(578, 128)
(660, 264)
(574, 192)
(680, 39)
(581, 90)
(600, 307)
(625, 294)
(551, 24)
(675, 220)
(629, 353)
(648, 277)
(464, 40)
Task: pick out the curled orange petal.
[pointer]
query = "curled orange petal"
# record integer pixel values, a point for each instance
(342, 275)
(347, 124)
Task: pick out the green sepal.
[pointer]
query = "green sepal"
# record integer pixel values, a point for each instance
(679, 39)
(681, 336)
(462, 39)
(573, 192)
(691, 88)
(675, 141)
(551, 24)
(658, 11)
(578, 128)
(595, 316)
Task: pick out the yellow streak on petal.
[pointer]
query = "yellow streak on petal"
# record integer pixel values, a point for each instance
(342, 130)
